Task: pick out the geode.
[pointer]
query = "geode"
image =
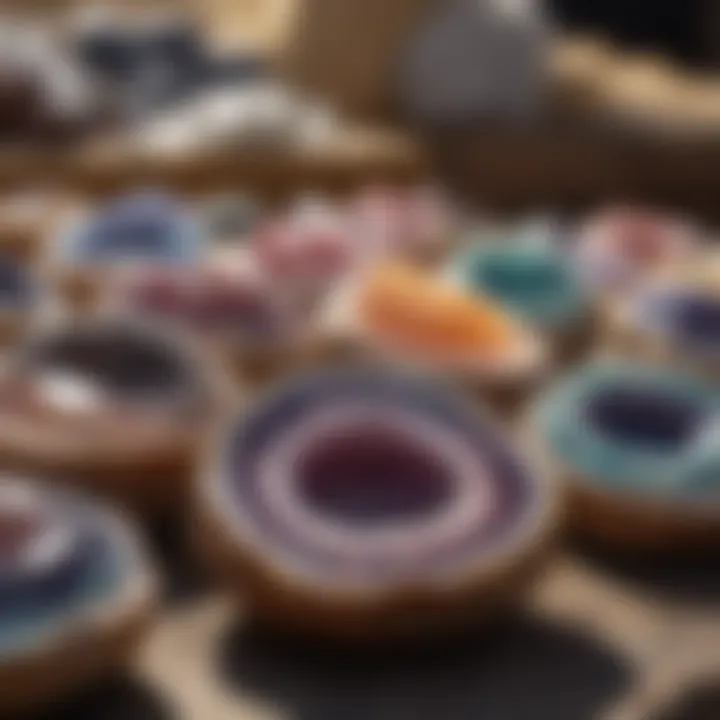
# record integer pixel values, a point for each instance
(362, 503)
(636, 446)
(410, 318)
(237, 314)
(532, 280)
(76, 593)
(142, 228)
(620, 246)
(113, 405)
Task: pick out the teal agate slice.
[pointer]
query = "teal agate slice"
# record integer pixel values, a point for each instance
(633, 427)
(528, 276)
(36, 604)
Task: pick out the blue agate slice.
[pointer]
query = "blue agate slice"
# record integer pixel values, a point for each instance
(59, 556)
(635, 428)
(142, 227)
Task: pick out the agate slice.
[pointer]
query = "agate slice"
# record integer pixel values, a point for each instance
(364, 503)
(115, 406)
(410, 318)
(620, 246)
(532, 279)
(674, 323)
(414, 224)
(76, 594)
(143, 228)
(233, 310)
(637, 447)
(308, 250)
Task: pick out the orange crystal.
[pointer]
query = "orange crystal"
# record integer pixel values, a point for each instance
(423, 313)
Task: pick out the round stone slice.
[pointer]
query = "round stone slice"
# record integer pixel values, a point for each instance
(637, 448)
(115, 406)
(76, 594)
(365, 503)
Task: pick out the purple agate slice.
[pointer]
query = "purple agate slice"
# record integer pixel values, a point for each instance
(358, 482)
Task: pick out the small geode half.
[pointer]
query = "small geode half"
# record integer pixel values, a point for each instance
(76, 593)
(114, 405)
(637, 447)
(144, 228)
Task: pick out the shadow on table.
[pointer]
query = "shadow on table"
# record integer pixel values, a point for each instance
(698, 702)
(687, 576)
(116, 699)
(171, 546)
(525, 670)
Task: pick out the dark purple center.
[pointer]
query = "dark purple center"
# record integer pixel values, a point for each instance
(372, 476)
(121, 360)
(646, 419)
(697, 318)
(375, 476)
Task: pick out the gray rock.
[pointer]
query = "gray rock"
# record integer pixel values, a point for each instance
(476, 59)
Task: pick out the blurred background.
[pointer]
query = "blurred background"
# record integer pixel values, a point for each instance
(510, 105)
(577, 100)
(683, 30)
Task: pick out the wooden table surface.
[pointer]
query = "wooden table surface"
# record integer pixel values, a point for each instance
(599, 640)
